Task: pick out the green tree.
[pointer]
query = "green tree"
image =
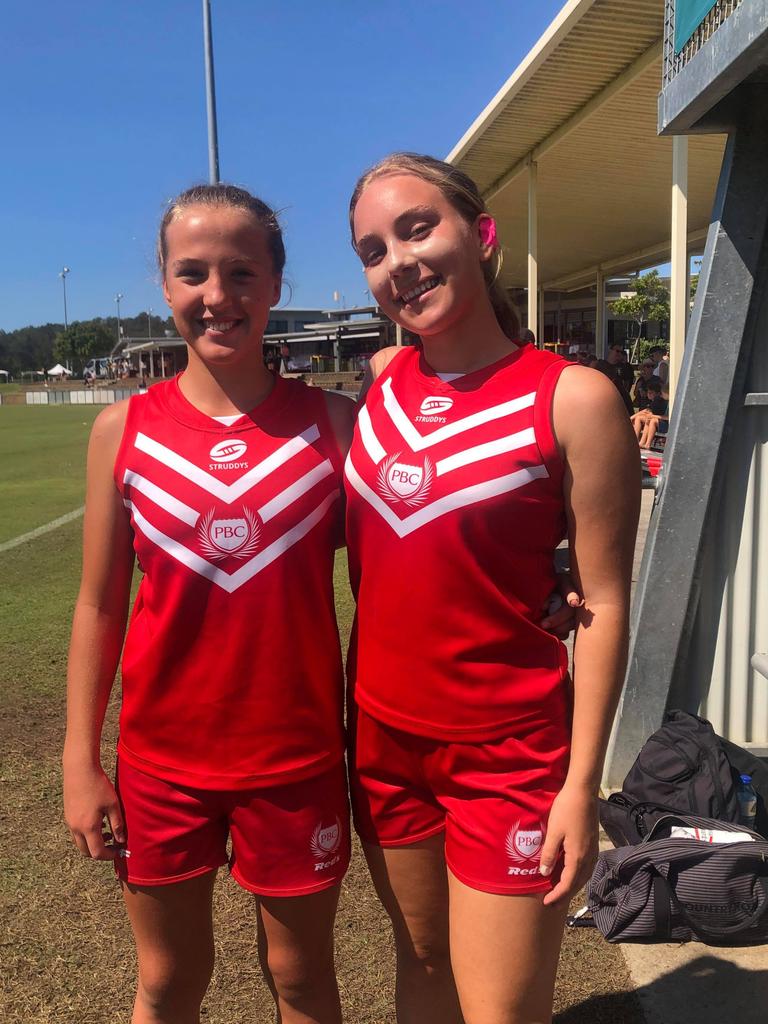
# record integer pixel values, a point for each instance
(82, 341)
(650, 302)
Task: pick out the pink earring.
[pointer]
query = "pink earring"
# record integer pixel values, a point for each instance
(487, 227)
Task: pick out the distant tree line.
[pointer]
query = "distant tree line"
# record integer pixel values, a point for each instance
(39, 347)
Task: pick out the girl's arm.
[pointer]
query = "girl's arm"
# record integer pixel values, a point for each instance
(602, 500)
(98, 629)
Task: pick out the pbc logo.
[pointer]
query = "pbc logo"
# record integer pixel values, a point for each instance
(434, 406)
(399, 481)
(220, 538)
(523, 845)
(325, 844)
(225, 453)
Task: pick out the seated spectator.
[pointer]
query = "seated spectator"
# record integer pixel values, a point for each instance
(654, 419)
(646, 374)
(604, 367)
(584, 357)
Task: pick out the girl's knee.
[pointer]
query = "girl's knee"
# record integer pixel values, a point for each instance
(296, 971)
(167, 988)
(427, 954)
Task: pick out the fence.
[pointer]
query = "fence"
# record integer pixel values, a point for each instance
(98, 396)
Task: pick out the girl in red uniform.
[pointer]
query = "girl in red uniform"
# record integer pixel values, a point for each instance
(476, 763)
(225, 484)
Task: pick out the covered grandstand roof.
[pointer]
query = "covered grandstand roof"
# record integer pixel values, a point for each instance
(583, 106)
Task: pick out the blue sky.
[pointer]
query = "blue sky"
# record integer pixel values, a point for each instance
(103, 120)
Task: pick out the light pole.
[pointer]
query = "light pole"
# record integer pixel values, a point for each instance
(118, 297)
(63, 275)
(210, 96)
(149, 324)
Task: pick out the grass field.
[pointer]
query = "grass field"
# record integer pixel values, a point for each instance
(66, 948)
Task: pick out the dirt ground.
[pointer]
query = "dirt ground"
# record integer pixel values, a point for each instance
(67, 954)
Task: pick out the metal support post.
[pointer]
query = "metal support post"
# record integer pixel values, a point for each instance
(533, 247)
(600, 314)
(678, 292)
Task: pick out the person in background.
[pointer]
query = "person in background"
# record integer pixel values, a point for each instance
(654, 418)
(527, 337)
(641, 394)
(658, 355)
(617, 357)
(604, 367)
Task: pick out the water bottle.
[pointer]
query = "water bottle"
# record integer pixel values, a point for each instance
(747, 798)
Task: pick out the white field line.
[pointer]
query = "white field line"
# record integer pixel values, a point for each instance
(40, 530)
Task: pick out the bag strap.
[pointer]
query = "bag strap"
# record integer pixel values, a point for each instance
(722, 931)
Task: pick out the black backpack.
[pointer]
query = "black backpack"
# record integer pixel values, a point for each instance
(685, 768)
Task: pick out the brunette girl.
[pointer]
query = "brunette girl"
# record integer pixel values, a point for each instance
(225, 484)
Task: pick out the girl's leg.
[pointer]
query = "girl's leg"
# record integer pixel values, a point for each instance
(504, 951)
(411, 883)
(296, 950)
(173, 929)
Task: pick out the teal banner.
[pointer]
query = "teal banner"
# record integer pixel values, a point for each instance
(689, 14)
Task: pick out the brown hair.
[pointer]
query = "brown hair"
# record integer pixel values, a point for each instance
(224, 195)
(464, 196)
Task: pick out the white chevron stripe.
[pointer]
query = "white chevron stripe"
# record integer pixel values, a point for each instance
(295, 491)
(162, 498)
(246, 572)
(510, 443)
(418, 443)
(448, 503)
(368, 436)
(227, 492)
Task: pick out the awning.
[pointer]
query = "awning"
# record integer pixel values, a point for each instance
(582, 107)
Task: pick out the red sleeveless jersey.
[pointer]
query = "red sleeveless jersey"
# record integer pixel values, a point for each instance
(454, 510)
(232, 669)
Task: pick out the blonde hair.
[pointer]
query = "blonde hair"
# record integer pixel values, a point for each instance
(464, 196)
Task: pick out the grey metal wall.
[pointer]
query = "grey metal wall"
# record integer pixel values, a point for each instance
(731, 621)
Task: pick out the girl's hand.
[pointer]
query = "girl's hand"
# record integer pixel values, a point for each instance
(562, 605)
(89, 798)
(572, 833)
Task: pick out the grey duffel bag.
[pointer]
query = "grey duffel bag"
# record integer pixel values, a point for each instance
(668, 889)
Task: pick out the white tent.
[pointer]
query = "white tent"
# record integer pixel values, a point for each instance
(58, 371)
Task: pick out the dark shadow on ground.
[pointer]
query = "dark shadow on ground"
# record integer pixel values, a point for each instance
(708, 990)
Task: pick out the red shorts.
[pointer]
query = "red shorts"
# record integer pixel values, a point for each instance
(492, 799)
(287, 840)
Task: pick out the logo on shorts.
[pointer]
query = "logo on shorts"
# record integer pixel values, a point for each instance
(523, 846)
(325, 842)
(222, 538)
(399, 481)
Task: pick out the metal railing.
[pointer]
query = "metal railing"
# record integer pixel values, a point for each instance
(675, 62)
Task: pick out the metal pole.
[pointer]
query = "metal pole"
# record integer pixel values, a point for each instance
(210, 97)
(119, 332)
(533, 247)
(63, 276)
(149, 324)
(679, 257)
